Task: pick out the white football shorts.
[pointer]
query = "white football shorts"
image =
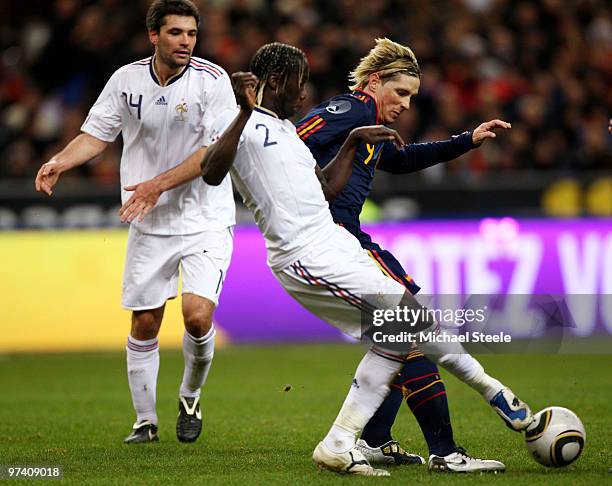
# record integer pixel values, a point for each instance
(338, 280)
(151, 274)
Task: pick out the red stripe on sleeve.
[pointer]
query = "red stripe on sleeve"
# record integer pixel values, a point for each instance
(315, 129)
(305, 124)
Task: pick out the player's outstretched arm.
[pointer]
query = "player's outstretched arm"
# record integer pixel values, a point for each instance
(419, 156)
(220, 155)
(81, 149)
(147, 193)
(336, 174)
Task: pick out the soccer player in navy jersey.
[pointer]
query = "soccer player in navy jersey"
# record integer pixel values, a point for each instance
(322, 265)
(383, 84)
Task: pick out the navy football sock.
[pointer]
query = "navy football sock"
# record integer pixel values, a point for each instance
(426, 396)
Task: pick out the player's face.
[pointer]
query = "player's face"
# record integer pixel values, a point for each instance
(394, 95)
(175, 40)
(291, 98)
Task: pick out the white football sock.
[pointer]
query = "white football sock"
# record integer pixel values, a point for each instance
(198, 354)
(453, 357)
(369, 389)
(470, 371)
(142, 368)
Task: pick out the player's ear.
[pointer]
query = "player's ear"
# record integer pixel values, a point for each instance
(274, 81)
(153, 37)
(374, 82)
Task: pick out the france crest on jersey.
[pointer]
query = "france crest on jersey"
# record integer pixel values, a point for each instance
(162, 126)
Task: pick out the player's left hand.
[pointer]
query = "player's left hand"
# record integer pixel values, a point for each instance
(487, 130)
(146, 195)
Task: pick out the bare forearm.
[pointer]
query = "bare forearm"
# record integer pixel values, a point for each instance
(220, 155)
(337, 173)
(147, 193)
(81, 149)
(186, 171)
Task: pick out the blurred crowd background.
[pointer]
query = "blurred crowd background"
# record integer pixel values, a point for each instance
(545, 66)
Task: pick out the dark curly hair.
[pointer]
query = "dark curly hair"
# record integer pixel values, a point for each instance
(281, 59)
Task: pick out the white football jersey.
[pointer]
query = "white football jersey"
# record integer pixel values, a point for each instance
(161, 126)
(275, 173)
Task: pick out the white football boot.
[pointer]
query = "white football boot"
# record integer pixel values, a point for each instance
(350, 462)
(513, 411)
(390, 454)
(460, 462)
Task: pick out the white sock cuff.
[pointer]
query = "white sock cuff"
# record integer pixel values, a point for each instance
(146, 417)
(139, 346)
(204, 339)
(388, 355)
(470, 371)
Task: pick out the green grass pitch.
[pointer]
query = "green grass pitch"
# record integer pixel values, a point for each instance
(74, 410)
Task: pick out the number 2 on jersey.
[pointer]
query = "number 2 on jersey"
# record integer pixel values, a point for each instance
(267, 141)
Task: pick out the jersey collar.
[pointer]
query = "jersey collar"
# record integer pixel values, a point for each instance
(265, 111)
(171, 79)
(373, 99)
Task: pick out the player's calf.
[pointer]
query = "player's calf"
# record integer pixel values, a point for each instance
(425, 394)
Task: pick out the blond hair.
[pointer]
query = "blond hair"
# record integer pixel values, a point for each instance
(387, 58)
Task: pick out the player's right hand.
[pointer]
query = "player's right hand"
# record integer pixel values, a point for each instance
(244, 85)
(47, 177)
(145, 196)
(378, 133)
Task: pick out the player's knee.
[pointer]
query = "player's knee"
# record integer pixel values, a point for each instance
(146, 324)
(198, 322)
(197, 314)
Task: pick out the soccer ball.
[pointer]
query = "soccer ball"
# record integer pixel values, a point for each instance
(556, 437)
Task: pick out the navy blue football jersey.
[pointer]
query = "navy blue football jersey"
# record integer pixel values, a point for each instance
(325, 128)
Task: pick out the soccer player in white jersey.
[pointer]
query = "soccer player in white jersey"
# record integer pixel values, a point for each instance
(319, 263)
(164, 107)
